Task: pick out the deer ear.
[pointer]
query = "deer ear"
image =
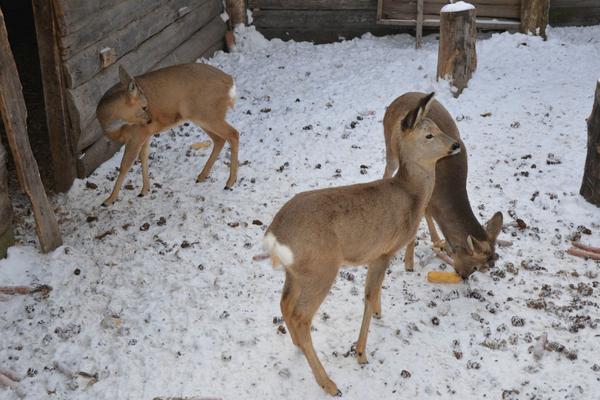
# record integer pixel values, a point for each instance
(128, 83)
(494, 226)
(470, 245)
(416, 115)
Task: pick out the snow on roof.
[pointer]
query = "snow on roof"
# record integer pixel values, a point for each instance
(458, 6)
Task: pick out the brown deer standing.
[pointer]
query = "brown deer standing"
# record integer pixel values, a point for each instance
(316, 232)
(470, 245)
(137, 108)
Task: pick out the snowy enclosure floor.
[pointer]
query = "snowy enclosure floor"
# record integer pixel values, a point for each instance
(159, 296)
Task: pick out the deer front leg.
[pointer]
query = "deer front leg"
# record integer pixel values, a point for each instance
(435, 237)
(409, 256)
(144, 154)
(132, 149)
(375, 275)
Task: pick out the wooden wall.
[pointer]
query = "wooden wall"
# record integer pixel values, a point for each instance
(324, 21)
(316, 20)
(574, 12)
(142, 35)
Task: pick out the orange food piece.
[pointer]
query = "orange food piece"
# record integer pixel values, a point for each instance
(443, 277)
(200, 145)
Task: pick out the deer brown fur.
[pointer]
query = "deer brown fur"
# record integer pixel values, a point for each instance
(470, 245)
(137, 108)
(316, 232)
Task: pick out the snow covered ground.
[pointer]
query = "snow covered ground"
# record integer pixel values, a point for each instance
(159, 296)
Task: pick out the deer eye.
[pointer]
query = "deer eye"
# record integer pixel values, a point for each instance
(430, 136)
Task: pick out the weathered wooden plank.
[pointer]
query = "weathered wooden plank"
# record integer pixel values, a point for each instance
(568, 15)
(574, 3)
(197, 45)
(315, 19)
(83, 65)
(7, 237)
(103, 23)
(327, 36)
(60, 138)
(590, 186)
(313, 4)
(14, 115)
(72, 14)
(102, 150)
(82, 100)
(483, 10)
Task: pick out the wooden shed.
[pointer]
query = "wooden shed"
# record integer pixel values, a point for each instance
(77, 45)
(325, 21)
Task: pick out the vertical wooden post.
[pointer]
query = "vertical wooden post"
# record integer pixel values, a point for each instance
(6, 231)
(534, 17)
(590, 187)
(457, 55)
(61, 146)
(14, 115)
(419, 23)
(237, 12)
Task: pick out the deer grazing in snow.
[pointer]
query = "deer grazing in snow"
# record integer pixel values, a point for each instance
(470, 245)
(137, 108)
(316, 232)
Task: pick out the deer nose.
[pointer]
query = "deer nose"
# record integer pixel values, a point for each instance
(456, 146)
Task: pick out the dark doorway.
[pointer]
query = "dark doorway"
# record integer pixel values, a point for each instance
(18, 16)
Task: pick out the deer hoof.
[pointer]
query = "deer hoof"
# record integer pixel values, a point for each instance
(362, 358)
(331, 388)
(229, 188)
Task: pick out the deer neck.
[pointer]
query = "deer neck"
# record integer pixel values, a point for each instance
(417, 178)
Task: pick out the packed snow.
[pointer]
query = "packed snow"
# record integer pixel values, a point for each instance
(457, 7)
(159, 296)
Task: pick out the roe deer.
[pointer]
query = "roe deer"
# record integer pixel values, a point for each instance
(137, 108)
(470, 245)
(317, 231)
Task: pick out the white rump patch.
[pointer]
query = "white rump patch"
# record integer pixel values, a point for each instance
(232, 93)
(282, 251)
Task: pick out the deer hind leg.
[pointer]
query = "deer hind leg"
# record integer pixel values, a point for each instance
(409, 255)
(218, 143)
(375, 275)
(132, 149)
(223, 131)
(312, 292)
(144, 154)
(289, 298)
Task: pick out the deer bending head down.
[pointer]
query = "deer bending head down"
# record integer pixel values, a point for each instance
(317, 231)
(137, 108)
(471, 246)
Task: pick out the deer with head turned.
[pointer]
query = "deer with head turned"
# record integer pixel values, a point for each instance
(318, 231)
(470, 245)
(137, 108)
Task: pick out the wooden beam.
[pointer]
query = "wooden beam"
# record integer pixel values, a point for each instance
(60, 137)
(14, 115)
(6, 214)
(457, 55)
(419, 23)
(236, 9)
(590, 186)
(534, 17)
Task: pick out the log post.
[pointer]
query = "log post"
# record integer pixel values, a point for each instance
(14, 115)
(534, 17)
(6, 231)
(590, 187)
(419, 41)
(457, 55)
(237, 12)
